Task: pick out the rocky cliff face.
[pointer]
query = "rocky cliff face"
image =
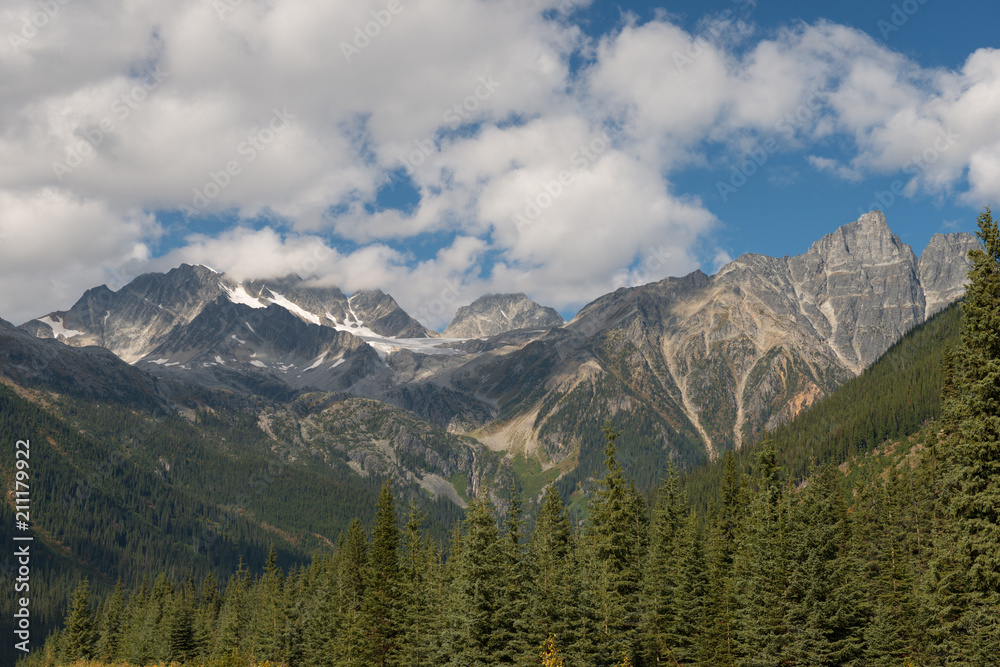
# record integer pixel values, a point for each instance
(495, 314)
(697, 365)
(708, 363)
(145, 314)
(943, 267)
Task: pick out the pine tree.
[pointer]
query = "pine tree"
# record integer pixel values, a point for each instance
(688, 635)
(348, 641)
(660, 575)
(136, 643)
(881, 552)
(480, 587)
(513, 645)
(79, 636)
(761, 569)
(552, 605)
(617, 537)
(724, 532)
(826, 610)
(967, 574)
(110, 646)
(234, 615)
(381, 605)
(416, 588)
(268, 617)
(180, 625)
(207, 615)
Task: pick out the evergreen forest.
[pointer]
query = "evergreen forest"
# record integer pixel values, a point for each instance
(866, 532)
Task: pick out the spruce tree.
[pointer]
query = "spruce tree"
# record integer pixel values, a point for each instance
(180, 625)
(381, 605)
(418, 625)
(761, 566)
(113, 630)
(79, 636)
(660, 574)
(970, 585)
(826, 612)
(481, 589)
(512, 628)
(552, 605)
(268, 614)
(617, 537)
(234, 615)
(347, 635)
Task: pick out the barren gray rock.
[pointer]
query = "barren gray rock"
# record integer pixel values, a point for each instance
(494, 314)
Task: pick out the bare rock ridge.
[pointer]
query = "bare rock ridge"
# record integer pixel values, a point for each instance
(943, 278)
(494, 314)
(699, 364)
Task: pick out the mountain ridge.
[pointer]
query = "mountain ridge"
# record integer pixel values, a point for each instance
(705, 362)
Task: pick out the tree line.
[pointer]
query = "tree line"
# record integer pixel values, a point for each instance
(901, 567)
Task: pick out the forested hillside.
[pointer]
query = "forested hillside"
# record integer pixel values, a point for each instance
(892, 559)
(895, 397)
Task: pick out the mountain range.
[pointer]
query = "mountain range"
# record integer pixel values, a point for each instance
(693, 366)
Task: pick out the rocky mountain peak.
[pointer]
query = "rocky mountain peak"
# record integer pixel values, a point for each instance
(867, 240)
(494, 314)
(943, 266)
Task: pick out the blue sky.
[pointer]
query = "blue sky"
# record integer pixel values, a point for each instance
(443, 150)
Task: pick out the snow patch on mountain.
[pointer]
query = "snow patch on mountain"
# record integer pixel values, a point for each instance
(57, 327)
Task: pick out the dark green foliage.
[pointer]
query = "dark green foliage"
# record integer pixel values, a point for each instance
(381, 605)
(617, 538)
(965, 599)
(79, 636)
(891, 559)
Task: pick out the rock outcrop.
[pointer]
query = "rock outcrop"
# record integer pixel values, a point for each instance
(494, 314)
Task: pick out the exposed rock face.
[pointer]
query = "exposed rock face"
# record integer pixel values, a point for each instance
(942, 274)
(91, 373)
(379, 439)
(710, 362)
(382, 314)
(134, 321)
(859, 288)
(495, 314)
(696, 364)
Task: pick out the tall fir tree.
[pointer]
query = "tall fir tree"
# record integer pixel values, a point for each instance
(969, 575)
(79, 636)
(827, 610)
(551, 603)
(481, 589)
(660, 574)
(109, 647)
(761, 569)
(381, 607)
(617, 537)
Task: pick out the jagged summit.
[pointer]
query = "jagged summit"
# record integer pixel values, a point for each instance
(494, 314)
(705, 363)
